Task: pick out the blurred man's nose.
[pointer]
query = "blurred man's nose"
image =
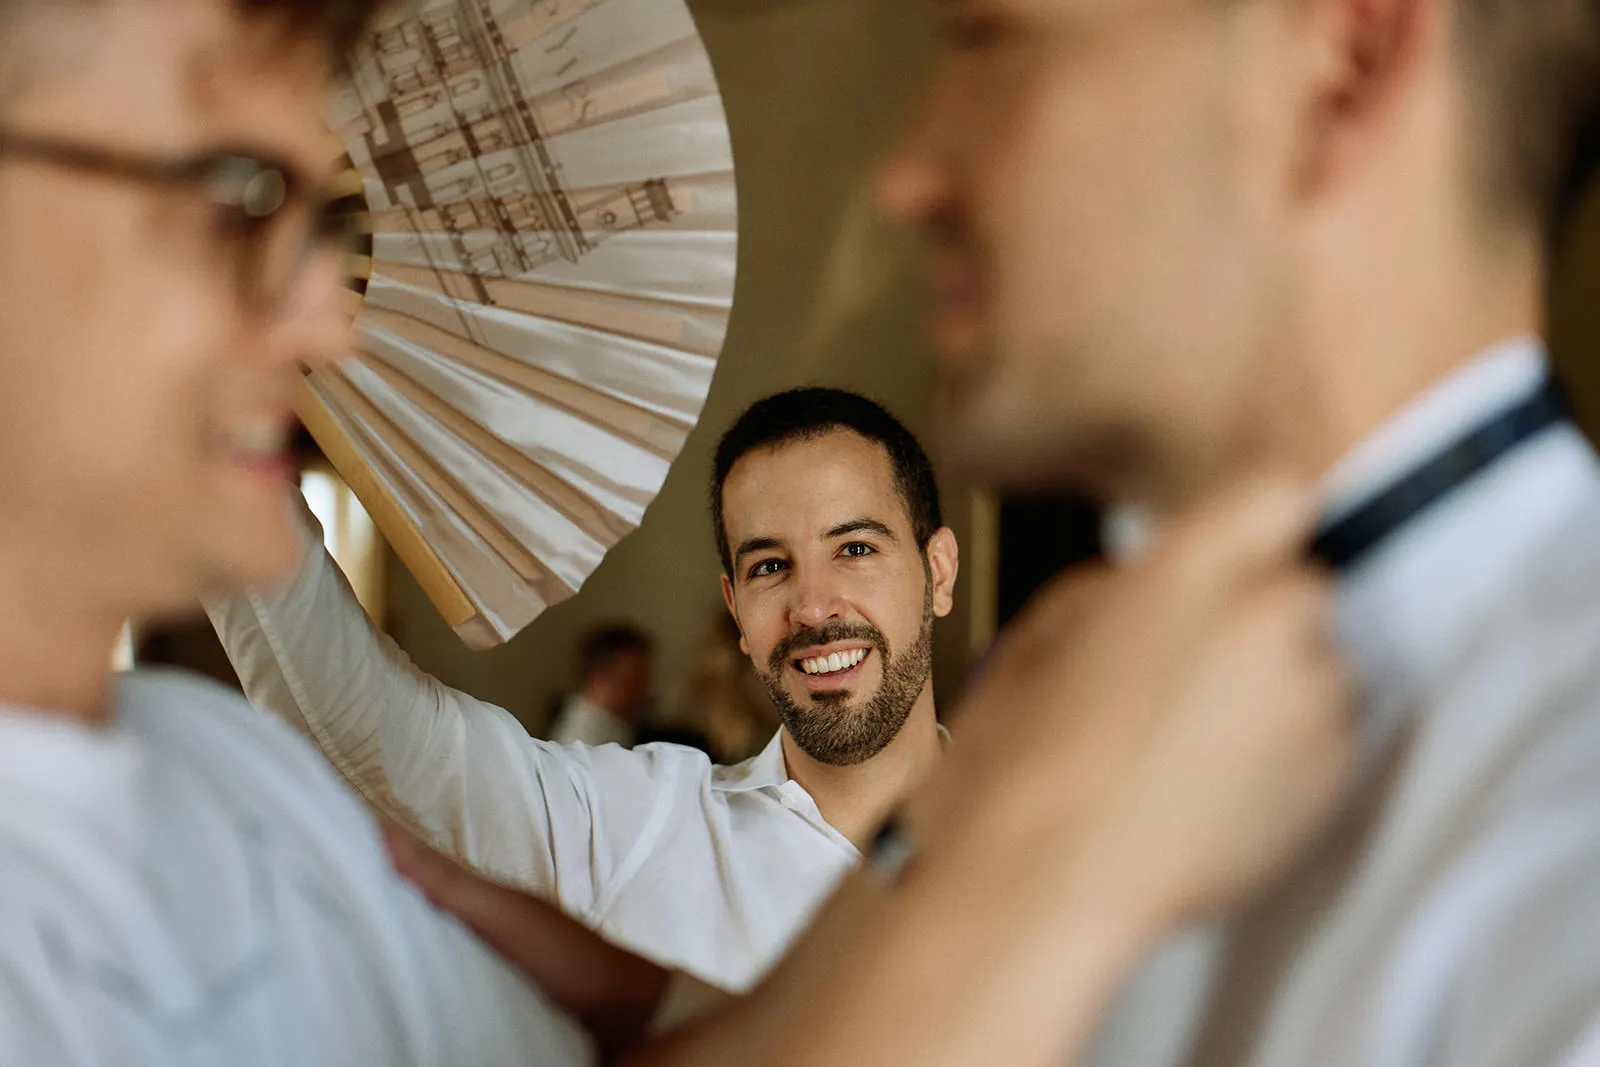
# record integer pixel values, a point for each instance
(313, 327)
(814, 599)
(912, 182)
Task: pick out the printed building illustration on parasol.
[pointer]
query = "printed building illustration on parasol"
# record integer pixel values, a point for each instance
(551, 198)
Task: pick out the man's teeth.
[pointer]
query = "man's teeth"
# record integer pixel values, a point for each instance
(257, 438)
(833, 662)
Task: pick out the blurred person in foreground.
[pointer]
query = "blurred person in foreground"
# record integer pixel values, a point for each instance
(1178, 239)
(836, 564)
(182, 880)
(1175, 240)
(614, 667)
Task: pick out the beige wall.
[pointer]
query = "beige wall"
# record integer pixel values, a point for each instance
(813, 88)
(1575, 314)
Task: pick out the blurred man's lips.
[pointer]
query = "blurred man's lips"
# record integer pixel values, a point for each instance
(956, 327)
(259, 443)
(276, 472)
(958, 306)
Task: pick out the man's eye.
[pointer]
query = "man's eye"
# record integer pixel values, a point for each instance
(858, 548)
(766, 568)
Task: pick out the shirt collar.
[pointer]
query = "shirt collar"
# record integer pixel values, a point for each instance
(1474, 392)
(768, 768)
(764, 769)
(1404, 610)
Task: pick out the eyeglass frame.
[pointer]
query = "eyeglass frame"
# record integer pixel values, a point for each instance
(257, 187)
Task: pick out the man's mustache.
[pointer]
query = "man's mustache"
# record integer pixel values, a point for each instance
(807, 637)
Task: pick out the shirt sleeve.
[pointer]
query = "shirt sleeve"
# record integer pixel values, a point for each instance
(461, 773)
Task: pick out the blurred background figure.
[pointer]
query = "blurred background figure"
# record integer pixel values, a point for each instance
(722, 699)
(615, 666)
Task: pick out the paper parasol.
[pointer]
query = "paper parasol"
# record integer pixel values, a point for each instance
(538, 316)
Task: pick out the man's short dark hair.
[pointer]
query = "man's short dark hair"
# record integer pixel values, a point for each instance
(806, 414)
(1532, 70)
(600, 646)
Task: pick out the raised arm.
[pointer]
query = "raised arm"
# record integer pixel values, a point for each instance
(459, 772)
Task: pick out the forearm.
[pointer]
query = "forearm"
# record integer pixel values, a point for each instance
(998, 944)
(988, 949)
(612, 992)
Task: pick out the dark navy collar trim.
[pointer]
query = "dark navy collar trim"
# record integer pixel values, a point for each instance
(1344, 543)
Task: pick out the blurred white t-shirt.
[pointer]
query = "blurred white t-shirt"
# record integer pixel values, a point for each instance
(193, 885)
(583, 722)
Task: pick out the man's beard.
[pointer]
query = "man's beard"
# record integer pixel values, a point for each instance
(842, 734)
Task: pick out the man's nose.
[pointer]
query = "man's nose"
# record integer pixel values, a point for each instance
(814, 600)
(313, 325)
(913, 181)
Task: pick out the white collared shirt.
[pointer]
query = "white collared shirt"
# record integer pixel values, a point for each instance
(712, 870)
(1451, 916)
(583, 722)
(191, 886)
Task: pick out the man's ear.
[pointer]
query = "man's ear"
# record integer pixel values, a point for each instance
(1361, 54)
(944, 564)
(727, 598)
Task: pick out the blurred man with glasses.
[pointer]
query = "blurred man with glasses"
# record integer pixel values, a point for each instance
(181, 880)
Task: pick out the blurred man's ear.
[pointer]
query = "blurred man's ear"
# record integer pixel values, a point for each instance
(1358, 54)
(944, 564)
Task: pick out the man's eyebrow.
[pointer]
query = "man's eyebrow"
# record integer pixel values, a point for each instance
(756, 544)
(862, 526)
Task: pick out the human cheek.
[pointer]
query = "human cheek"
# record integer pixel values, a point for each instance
(888, 601)
(762, 628)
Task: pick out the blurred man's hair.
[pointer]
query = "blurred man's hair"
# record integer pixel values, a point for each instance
(1532, 70)
(806, 414)
(604, 644)
(338, 23)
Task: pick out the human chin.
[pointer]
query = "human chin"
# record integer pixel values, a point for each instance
(834, 727)
(958, 334)
(247, 538)
(976, 425)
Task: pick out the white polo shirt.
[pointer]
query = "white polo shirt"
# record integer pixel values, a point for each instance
(192, 886)
(712, 870)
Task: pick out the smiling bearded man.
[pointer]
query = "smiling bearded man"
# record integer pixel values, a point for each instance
(817, 672)
(839, 547)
